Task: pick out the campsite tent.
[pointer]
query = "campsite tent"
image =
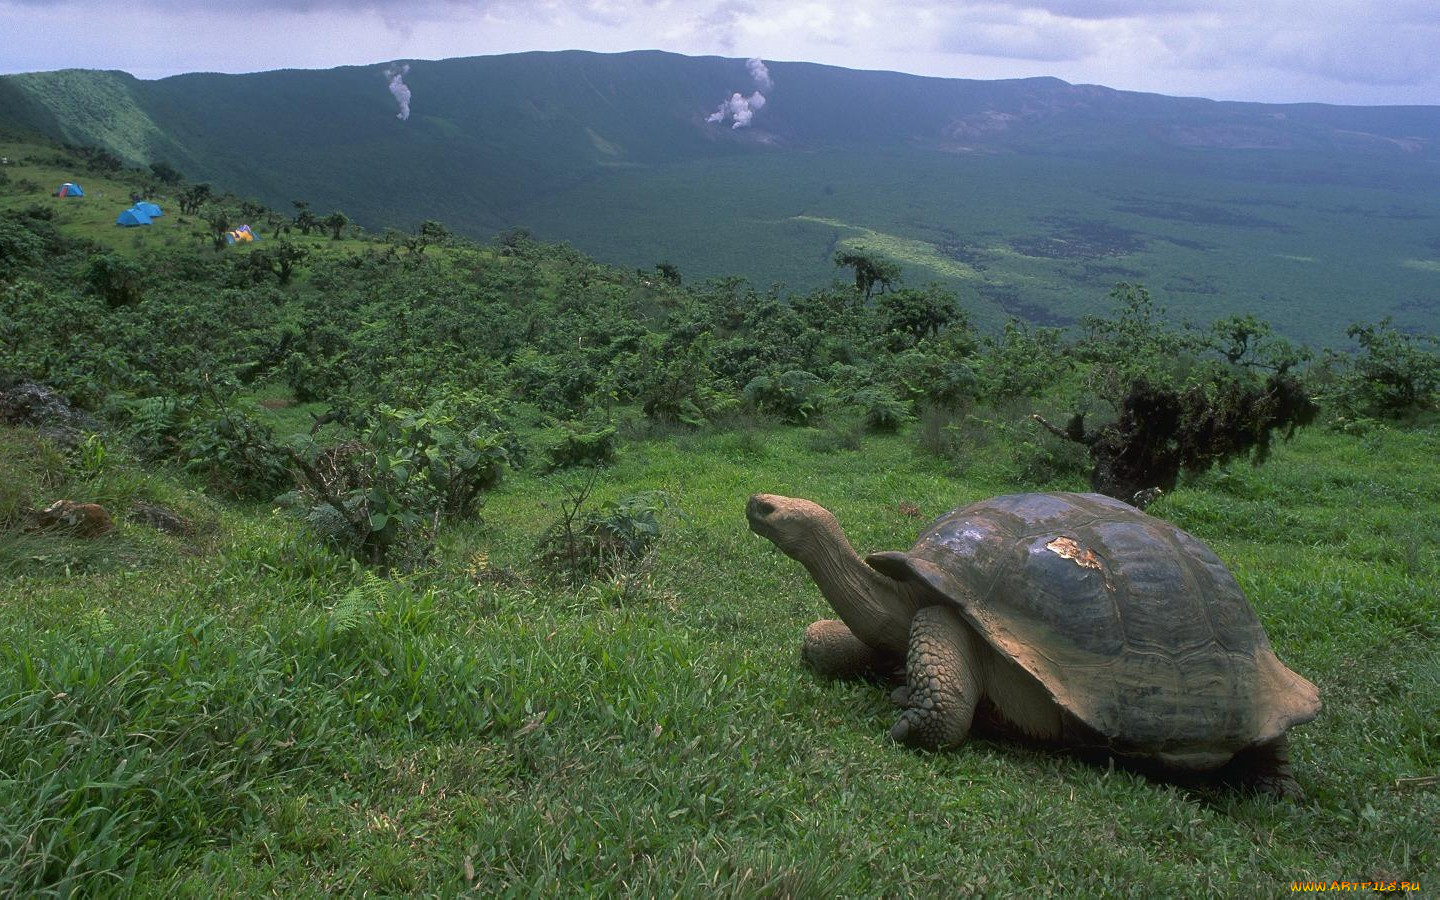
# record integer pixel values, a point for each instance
(242, 235)
(148, 208)
(69, 189)
(132, 217)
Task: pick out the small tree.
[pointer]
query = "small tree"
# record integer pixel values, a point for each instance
(429, 232)
(287, 255)
(1244, 340)
(305, 220)
(1164, 430)
(919, 314)
(1395, 374)
(193, 197)
(166, 173)
(336, 222)
(871, 271)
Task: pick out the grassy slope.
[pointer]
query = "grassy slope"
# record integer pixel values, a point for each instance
(483, 728)
(35, 171)
(92, 216)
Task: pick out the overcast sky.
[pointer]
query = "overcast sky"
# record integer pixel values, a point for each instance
(1331, 51)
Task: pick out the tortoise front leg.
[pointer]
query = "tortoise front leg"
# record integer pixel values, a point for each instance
(942, 675)
(1266, 770)
(832, 650)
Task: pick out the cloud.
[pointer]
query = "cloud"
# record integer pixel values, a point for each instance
(1100, 10)
(1356, 51)
(1031, 36)
(723, 24)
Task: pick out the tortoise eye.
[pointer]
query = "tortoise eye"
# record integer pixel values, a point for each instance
(761, 507)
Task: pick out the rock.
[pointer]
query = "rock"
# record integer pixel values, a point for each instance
(86, 520)
(38, 406)
(161, 519)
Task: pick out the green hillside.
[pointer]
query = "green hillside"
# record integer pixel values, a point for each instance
(399, 564)
(1031, 197)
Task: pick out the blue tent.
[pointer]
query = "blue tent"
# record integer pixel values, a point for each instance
(148, 208)
(69, 189)
(132, 217)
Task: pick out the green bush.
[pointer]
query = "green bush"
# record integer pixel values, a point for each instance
(616, 539)
(1394, 376)
(581, 444)
(235, 454)
(795, 397)
(382, 497)
(883, 412)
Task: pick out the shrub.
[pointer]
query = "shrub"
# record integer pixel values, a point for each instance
(391, 489)
(883, 411)
(795, 396)
(1163, 430)
(679, 390)
(235, 454)
(581, 444)
(616, 539)
(1395, 375)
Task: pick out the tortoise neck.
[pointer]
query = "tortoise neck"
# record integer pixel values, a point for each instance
(877, 608)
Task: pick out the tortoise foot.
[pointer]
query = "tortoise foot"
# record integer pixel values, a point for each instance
(1266, 770)
(831, 650)
(942, 684)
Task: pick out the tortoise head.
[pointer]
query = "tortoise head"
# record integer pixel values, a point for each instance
(800, 529)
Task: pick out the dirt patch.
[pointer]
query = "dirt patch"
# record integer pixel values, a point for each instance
(1196, 214)
(1393, 213)
(1009, 299)
(1184, 244)
(1186, 284)
(1418, 304)
(1099, 273)
(1079, 239)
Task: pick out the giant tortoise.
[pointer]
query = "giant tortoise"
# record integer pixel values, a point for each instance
(1072, 619)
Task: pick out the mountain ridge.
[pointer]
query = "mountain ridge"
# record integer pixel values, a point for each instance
(613, 152)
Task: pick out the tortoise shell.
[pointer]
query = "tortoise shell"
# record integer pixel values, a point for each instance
(1133, 626)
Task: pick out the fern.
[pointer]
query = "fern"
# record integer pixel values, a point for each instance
(358, 604)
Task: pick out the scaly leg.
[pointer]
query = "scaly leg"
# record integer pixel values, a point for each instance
(942, 676)
(831, 650)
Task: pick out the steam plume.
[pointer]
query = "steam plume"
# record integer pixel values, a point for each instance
(399, 89)
(740, 109)
(759, 73)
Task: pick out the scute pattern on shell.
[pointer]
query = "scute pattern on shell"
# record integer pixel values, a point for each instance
(1134, 626)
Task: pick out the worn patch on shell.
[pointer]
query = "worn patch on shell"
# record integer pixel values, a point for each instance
(1067, 548)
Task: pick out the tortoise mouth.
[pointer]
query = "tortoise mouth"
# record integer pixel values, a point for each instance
(758, 512)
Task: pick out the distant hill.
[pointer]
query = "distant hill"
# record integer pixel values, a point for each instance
(1031, 196)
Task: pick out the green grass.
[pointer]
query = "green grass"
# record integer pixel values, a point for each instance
(241, 712)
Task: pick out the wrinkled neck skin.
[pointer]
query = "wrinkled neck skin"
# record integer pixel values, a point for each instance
(877, 608)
